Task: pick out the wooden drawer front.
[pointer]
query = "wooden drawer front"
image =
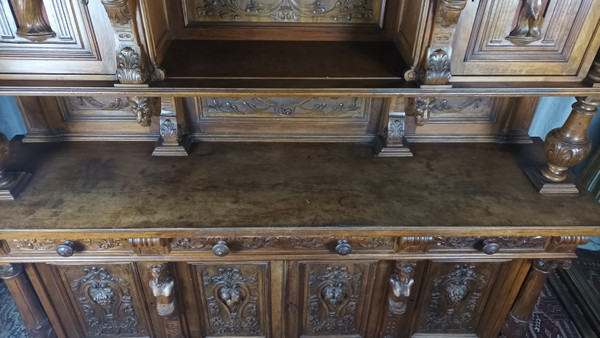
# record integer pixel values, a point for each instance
(473, 244)
(84, 246)
(453, 296)
(231, 299)
(329, 299)
(495, 37)
(97, 300)
(282, 117)
(282, 245)
(67, 37)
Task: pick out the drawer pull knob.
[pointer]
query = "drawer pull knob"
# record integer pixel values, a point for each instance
(221, 249)
(66, 249)
(343, 248)
(490, 247)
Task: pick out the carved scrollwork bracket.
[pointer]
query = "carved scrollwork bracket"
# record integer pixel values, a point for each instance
(436, 65)
(162, 284)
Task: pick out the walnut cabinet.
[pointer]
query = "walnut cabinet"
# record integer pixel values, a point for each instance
(291, 168)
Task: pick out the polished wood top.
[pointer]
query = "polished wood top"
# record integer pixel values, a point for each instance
(452, 187)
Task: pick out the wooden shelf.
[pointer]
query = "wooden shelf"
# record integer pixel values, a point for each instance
(322, 60)
(445, 188)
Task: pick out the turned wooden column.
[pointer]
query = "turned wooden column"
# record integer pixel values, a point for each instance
(33, 315)
(518, 320)
(569, 145)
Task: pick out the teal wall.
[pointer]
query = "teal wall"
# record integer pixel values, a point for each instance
(11, 122)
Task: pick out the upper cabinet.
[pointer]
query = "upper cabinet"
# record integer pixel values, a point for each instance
(508, 39)
(55, 39)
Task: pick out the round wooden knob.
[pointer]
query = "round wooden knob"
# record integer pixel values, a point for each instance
(343, 248)
(221, 249)
(490, 247)
(67, 249)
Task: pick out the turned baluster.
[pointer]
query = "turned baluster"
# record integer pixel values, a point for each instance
(569, 145)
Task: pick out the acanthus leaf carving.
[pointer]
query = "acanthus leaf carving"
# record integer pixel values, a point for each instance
(129, 68)
(449, 12)
(438, 68)
(118, 11)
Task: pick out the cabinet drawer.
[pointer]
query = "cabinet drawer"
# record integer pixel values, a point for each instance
(489, 245)
(85, 246)
(283, 245)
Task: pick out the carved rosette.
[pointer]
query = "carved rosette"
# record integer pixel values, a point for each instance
(106, 303)
(32, 25)
(233, 304)
(333, 300)
(529, 23)
(569, 145)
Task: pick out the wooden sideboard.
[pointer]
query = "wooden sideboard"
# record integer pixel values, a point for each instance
(291, 168)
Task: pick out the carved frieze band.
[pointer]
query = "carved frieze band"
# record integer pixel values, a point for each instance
(49, 245)
(323, 11)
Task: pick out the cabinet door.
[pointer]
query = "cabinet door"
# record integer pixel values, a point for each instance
(96, 300)
(226, 299)
(556, 40)
(327, 299)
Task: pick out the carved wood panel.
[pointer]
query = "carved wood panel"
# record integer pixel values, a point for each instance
(87, 108)
(333, 298)
(107, 298)
(283, 107)
(453, 296)
(284, 11)
(48, 246)
(508, 37)
(233, 299)
(533, 243)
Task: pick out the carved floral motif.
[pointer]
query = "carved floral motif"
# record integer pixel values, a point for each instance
(285, 10)
(106, 303)
(454, 299)
(333, 300)
(232, 301)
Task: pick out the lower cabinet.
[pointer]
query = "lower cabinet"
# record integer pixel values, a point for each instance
(337, 298)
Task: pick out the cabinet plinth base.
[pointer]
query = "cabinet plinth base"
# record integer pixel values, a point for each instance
(16, 184)
(546, 187)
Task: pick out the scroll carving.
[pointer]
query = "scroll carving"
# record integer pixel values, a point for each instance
(106, 303)
(91, 103)
(333, 300)
(454, 299)
(233, 303)
(162, 285)
(332, 11)
(32, 25)
(529, 23)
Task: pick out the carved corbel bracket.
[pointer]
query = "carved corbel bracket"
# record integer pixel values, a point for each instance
(144, 108)
(414, 244)
(172, 141)
(11, 183)
(162, 284)
(436, 65)
(149, 246)
(392, 142)
(565, 147)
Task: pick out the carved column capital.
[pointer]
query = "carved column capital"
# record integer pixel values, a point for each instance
(10, 270)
